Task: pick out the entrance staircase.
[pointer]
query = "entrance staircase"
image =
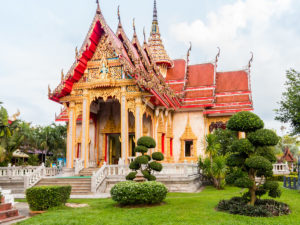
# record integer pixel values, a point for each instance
(87, 172)
(80, 186)
(7, 213)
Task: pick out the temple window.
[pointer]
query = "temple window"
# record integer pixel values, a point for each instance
(188, 144)
(188, 148)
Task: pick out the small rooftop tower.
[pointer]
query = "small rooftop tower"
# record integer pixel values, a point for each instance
(156, 46)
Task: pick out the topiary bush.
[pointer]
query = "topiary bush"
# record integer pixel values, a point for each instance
(133, 193)
(252, 157)
(262, 208)
(145, 163)
(45, 197)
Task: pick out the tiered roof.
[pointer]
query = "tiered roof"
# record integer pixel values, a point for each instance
(185, 86)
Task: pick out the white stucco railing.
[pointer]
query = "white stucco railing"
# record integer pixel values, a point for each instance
(180, 169)
(98, 178)
(92, 164)
(51, 172)
(33, 178)
(130, 159)
(281, 169)
(79, 165)
(19, 171)
(174, 169)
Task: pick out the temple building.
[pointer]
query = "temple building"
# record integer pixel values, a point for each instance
(120, 89)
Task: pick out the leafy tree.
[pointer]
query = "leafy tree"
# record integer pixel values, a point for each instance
(290, 142)
(214, 167)
(289, 111)
(252, 156)
(145, 163)
(225, 138)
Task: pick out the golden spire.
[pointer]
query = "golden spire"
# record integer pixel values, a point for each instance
(62, 75)
(98, 7)
(156, 46)
(144, 36)
(133, 24)
(119, 16)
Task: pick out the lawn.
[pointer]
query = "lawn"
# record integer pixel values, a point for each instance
(197, 208)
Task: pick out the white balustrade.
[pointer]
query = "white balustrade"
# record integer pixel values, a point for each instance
(51, 172)
(79, 165)
(92, 164)
(13, 171)
(33, 178)
(174, 169)
(130, 159)
(281, 168)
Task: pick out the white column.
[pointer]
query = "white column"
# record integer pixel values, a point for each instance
(85, 130)
(124, 125)
(138, 118)
(71, 135)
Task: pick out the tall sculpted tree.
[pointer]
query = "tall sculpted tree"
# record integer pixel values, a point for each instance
(252, 156)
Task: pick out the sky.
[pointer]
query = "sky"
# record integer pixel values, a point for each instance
(38, 40)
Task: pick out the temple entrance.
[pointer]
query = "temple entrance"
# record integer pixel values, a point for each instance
(114, 148)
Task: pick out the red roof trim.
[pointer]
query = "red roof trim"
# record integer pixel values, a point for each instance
(227, 111)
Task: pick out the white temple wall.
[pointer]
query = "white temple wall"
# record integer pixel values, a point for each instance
(197, 123)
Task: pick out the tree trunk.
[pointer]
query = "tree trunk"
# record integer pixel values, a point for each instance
(253, 188)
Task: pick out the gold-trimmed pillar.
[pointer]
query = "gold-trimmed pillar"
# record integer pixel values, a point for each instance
(124, 125)
(71, 135)
(138, 118)
(85, 129)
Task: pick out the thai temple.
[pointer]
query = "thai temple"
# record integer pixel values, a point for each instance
(120, 88)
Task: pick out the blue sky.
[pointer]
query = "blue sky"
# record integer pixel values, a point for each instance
(38, 39)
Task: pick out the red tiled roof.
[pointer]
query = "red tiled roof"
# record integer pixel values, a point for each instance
(178, 71)
(200, 75)
(232, 81)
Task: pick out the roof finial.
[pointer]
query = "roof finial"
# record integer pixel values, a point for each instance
(98, 7)
(188, 53)
(133, 24)
(119, 16)
(250, 61)
(218, 55)
(62, 75)
(144, 35)
(155, 12)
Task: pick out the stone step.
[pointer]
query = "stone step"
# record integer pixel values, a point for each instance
(11, 219)
(5, 206)
(8, 213)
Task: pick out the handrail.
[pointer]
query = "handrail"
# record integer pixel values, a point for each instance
(79, 165)
(31, 179)
(98, 177)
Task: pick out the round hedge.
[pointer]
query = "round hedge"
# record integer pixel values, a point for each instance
(158, 156)
(133, 193)
(134, 165)
(245, 122)
(146, 141)
(141, 149)
(156, 166)
(242, 146)
(259, 163)
(263, 137)
(131, 176)
(141, 159)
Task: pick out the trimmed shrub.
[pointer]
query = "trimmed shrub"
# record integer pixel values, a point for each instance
(259, 162)
(131, 176)
(235, 160)
(141, 149)
(263, 137)
(133, 193)
(262, 208)
(243, 182)
(141, 159)
(245, 122)
(242, 146)
(45, 197)
(156, 166)
(158, 156)
(134, 165)
(146, 141)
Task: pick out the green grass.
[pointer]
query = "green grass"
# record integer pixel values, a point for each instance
(187, 209)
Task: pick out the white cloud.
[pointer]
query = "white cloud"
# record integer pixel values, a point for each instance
(241, 27)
